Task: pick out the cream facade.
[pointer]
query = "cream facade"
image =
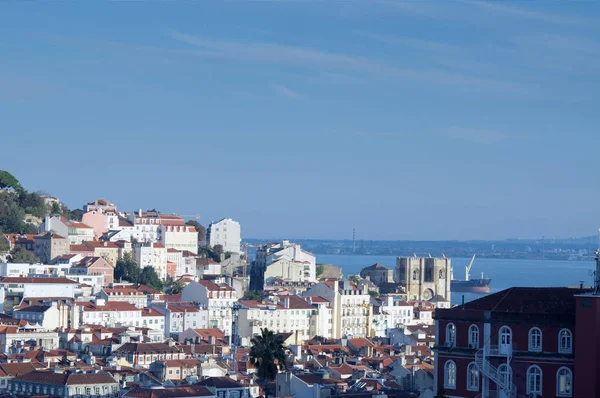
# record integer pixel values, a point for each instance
(179, 236)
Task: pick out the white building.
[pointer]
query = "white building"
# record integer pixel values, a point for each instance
(290, 314)
(401, 313)
(207, 266)
(115, 314)
(38, 286)
(285, 253)
(226, 233)
(217, 298)
(125, 294)
(13, 339)
(152, 255)
(178, 235)
(352, 309)
(181, 317)
(24, 269)
(176, 257)
(290, 271)
(321, 321)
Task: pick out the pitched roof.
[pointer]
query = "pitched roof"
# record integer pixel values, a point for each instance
(220, 382)
(50, 235)
(175, 392)
(297, 303)
(48, 377)
(145, 348)
(16, 368)
(213, 287)
(375, 267)
(109, 306)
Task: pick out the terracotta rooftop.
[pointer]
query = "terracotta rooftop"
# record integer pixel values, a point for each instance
(174, 392)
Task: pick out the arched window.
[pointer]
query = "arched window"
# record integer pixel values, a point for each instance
(535, 339)
(450, 375)
(441, 274)
(505, 372)
(565, 341)
(534, 380)
(505, 338)
(564, 382)
(450, 335)
(473, 336)
(473, 377)
(415, 275)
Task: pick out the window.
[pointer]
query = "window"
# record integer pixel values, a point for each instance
(415, 275)
(450, 335)
(505, 336)
(473, 377)
(535, 339)
(473, 336)
(564, 382)
(450, 375)
(505, 372)
(565, 341)
(534, 380)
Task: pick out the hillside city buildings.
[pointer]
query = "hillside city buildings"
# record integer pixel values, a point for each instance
(70, 328)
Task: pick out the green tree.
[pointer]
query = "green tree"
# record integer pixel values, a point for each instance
(267, 354)
(199, 228)
(21, 255)
(32, 203)
(373, 294)
(11, 215)
(176, 287)
(76, 215)
(353, 279)
(253, 295)
(218, 251)
(150, 278)
(3, 243)
(8, 180)
(127, 269)
(55, 208)
(320, 269)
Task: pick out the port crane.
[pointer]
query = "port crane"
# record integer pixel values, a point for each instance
(468, 268)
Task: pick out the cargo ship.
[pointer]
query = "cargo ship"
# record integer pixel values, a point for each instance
(480, 285)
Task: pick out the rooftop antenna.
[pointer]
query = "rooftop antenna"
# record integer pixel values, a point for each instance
(353, 240)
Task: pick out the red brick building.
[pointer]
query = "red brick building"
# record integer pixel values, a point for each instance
(520, 342)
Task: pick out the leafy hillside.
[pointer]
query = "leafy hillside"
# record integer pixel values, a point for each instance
(17, 205)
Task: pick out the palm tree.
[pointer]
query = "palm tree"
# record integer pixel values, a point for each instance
(176, 287)
(267, 354)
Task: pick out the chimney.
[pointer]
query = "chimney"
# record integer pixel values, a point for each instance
(287, 302)
(140, 212)
(211, 340)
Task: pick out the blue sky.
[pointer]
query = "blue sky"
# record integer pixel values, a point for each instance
(404, 120)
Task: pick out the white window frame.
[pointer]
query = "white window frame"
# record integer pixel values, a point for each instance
(570, 375)
(473, 331)
(530, 371)
(506, 371)
(473, 383)
(569, 349)
(450, 337)
(447, 380)
(533, 333)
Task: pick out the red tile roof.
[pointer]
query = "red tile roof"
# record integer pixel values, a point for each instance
(110, 306)
(19, 279)
(174, 392)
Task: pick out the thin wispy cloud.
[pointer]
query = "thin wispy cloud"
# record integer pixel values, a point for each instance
(285, 91)
(525, 13)
(321, 60)
(422, 44)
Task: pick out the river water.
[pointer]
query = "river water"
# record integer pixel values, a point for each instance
(504, 273)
